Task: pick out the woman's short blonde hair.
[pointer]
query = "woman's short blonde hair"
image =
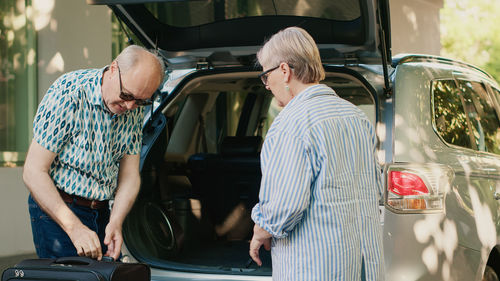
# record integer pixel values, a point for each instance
(296, 47)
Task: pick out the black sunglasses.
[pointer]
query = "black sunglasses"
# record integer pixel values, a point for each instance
(263, 76)
(130, 97)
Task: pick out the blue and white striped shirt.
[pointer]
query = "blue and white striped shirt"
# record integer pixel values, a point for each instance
(320, 190)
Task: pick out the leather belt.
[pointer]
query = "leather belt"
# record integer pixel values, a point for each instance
(81, 201)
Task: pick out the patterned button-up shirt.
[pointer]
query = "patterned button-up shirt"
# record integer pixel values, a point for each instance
(320, 190)
(73, 122)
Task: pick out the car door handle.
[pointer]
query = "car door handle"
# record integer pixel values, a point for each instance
(497, 196)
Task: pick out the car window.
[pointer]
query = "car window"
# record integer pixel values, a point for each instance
(482, 116)
(195, 13)
(496, 97)
(464, 115)
(450, 120)
(274, 110)
(223, 119)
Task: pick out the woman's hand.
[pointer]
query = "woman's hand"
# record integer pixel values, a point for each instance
(260, 237)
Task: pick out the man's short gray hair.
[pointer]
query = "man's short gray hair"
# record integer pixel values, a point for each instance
(129, 57)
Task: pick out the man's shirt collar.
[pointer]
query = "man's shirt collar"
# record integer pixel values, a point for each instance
(94, 90)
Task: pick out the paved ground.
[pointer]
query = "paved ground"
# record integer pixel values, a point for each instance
(6, 262)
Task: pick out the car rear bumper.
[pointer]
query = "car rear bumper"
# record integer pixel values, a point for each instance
(425, 247)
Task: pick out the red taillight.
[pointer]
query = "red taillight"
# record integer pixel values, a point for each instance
(403, 184)
(414, 188)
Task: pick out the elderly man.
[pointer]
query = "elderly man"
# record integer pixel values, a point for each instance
(85, 151)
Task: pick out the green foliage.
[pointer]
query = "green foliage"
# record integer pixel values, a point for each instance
(470, 32)
(120, 40)
(17, 77)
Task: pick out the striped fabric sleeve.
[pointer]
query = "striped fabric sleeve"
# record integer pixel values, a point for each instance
(285, 185)
(378, 171)
(379, 176)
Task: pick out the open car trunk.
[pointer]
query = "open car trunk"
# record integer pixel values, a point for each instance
(201, 176)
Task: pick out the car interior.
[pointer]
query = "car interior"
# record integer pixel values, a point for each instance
(201, 177)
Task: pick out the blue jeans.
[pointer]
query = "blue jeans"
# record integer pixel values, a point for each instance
(50, 239)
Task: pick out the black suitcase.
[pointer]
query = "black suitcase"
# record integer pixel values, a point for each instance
(76, 268)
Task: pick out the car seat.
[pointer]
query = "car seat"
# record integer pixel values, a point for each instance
(225, 179)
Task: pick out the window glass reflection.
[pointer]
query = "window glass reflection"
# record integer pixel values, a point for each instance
(464, 115)
(449, 114)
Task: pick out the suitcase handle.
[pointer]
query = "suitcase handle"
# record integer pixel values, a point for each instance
(75, 260)
(107, 258)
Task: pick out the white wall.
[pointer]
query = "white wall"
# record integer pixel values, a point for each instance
(15, 234)
(70, 35)
(76, 36)
(415, 26)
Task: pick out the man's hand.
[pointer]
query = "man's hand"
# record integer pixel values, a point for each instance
(42, 188)
(260, 237)
(86, 242)
(113, 240)
(129, 181)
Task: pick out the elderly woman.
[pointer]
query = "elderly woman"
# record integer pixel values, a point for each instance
(318, 202)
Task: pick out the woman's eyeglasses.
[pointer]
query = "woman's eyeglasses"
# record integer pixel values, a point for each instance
(263, 76)
(130, 97)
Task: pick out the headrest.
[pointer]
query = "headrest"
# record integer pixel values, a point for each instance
(241, 146)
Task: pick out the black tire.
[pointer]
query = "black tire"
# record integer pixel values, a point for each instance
(160, 230)
(490, 274)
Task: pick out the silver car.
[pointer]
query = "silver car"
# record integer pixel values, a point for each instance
(437, 122)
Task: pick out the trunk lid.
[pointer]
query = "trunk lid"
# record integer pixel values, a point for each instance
(230, 32)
